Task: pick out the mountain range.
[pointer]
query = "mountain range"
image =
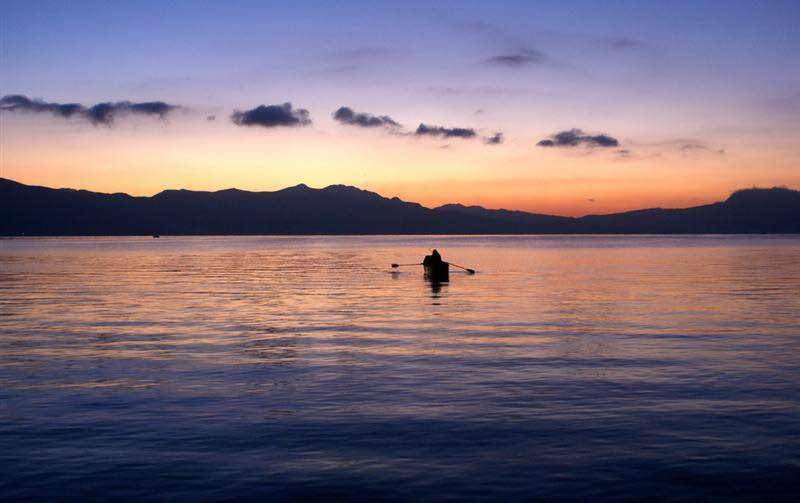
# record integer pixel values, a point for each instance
(340, 209)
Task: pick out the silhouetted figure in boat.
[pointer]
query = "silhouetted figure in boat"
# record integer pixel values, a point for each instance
(433, 259)
(436, 269)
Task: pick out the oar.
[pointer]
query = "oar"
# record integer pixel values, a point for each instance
(469, 271)
(400, 265)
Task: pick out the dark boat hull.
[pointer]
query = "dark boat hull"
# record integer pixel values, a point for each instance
(438, 273)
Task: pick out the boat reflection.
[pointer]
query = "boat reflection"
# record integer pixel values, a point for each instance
(436, 287)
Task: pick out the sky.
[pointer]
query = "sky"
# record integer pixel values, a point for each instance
(600, 106)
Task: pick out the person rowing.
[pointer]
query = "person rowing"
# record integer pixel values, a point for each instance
(433, 260)
(436, 269)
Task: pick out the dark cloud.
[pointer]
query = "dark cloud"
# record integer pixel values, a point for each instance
(158, 108)
(424, 129)
(272, 116)
(20, 103)
(347, 115)
(101, 113)
(106, 113)
(495, 139)
(516, 59)
(576, 137)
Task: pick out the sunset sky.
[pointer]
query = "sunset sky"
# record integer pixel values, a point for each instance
(659, 103)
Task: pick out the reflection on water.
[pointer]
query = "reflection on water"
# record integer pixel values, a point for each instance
(298, 367)
(436, 288)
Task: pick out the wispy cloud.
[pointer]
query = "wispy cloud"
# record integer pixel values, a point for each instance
(516, 59)
(688, 148)
(623, 44)
(495, 139)
(456, 132)
(630, 155)
(684, 146)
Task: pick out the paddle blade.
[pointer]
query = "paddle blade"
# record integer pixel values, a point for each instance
(470, 271)
(395, 265)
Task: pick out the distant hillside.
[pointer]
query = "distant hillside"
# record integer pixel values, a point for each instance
(340, 209)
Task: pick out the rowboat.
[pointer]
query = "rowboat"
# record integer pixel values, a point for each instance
(435, 269)
(438, 272)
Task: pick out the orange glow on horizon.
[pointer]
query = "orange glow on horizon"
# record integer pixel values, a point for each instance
(144, 159)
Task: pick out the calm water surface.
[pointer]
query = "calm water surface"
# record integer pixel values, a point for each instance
(245, 367)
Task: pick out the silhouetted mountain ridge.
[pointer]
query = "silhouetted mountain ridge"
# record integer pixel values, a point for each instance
(343, 209)
(773, 197)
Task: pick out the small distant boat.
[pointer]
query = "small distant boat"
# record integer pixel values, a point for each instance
(156, 236)
(435, 269)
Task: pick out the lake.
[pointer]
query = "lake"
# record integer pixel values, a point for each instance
(600, 367)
